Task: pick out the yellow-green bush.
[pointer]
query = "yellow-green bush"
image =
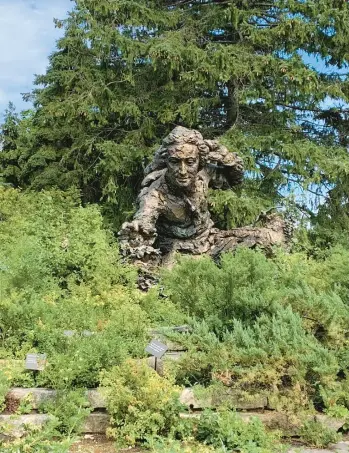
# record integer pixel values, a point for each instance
(141, 403)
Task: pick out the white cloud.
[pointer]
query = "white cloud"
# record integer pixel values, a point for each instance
(27, 37)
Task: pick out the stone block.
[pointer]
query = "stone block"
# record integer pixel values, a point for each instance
(41, 395)
(330, 422)
(188, 398)
(96, 423)
(17, 425)
(239, 400)
(37, 395)
(96, 399)
(161, 363)
(275, 421)
(217, 398)
(290, 426)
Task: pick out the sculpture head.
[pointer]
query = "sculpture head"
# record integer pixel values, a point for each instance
(182, 163)
(183, 152)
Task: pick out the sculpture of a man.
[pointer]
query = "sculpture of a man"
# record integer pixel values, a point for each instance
(173, 213)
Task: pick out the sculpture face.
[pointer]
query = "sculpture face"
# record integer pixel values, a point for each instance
(183, 165)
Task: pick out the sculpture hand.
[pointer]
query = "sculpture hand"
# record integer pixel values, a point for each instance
(137, 229)
(220, 155)
(136, 240)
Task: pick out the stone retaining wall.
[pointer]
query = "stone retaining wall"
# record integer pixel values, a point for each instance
(97, 422)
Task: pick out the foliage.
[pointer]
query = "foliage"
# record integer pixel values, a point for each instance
(316, 434)
(60, 271)
(9, 170)
(274, 327)
(176, 446)
(277, 327)
(141, 403)
(70, 408)
(341, 412)
(37, 441)
(4, 388)
(236, 68)
(67, 414)
(226, 429)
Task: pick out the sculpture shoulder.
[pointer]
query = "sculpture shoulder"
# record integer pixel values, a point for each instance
(153, 189)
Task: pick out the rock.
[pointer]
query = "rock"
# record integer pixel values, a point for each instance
(341, 447)
(232, 397)
(290, 426)
(173, 355)
(275, 421)
(17, 426)
(174, 347)
(96, 399)
(330, 422)
(159, 364)
(96, 423)
(41, 395)
(239, 400)
(163, 330)
(37, 395)
(188, 398)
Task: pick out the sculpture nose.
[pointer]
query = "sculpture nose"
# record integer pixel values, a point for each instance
(182, 168)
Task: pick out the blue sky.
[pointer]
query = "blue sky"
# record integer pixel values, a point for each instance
(27, 37)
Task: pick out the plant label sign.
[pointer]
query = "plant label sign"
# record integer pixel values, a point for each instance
(156, 349)
(35, 362)
(69, 333)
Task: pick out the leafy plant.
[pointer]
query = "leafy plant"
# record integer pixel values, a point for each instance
(176, 446)
(4, 388)
(273, 326)
(227, 430)
(318, 435)
(70, 409)
(141, 403)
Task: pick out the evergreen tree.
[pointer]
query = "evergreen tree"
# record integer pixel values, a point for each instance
(9, 169)
(127, 71)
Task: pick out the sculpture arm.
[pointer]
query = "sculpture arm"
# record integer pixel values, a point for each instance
(137, 238)
(226, 168)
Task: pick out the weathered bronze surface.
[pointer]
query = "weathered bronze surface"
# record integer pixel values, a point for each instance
(173, 213)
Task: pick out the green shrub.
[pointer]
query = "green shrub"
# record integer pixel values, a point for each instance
(273, 326)
(69, 409)
(226, 429)
(176, 446)
(316, 434)
(141, 403)
(4, 388)
(60, 270)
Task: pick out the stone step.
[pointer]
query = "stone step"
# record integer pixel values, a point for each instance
(254, 405)
(289, 426)
(233, 397)
(341, 447)
(273, 420)
(38, 396)
(16, 426)
(97, 401)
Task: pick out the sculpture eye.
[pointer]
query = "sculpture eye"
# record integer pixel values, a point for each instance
(191, 161)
